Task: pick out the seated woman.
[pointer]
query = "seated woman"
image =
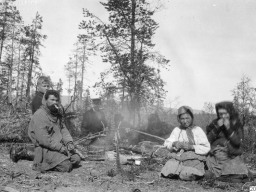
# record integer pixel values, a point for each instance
(189, 146)
(225, 135)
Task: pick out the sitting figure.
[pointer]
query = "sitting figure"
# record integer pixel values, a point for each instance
(26, 152)
(94, 120)
(156, 127)
(225, 135)
(54, 148)
(189, 146)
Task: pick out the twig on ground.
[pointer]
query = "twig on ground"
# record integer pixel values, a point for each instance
(184, 187)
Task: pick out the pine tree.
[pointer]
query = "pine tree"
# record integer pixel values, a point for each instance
(126, 43)
(34, 40)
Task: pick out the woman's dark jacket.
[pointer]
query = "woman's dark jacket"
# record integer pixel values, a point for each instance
(221, 136)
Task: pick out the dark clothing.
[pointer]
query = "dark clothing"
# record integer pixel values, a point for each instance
(37, 101)
(93, 122)
(219, 163)
(229, 107)
(224, 159)
(220, 136)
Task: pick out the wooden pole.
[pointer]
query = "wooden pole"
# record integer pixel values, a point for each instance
(141, 132)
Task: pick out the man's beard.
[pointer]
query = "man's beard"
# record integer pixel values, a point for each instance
(55, 110)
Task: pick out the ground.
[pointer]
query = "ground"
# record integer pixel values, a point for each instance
(95, 176)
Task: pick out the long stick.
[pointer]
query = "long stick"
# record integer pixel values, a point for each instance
(160, 138)
(117, 137)
(92, 136)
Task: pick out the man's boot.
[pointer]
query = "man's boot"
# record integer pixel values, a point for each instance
(21, 153)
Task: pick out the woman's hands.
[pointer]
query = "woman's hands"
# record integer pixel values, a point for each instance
(177, 145)
(225, 122)
(182, 145)
(187, 147)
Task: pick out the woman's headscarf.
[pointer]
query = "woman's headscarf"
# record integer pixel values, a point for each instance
(183, 110)
(228, 105)
(234, 116)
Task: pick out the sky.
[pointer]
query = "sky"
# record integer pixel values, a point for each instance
(211, 44)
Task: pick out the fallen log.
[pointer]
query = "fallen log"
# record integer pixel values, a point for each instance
(96, 152)
(94, 159)
(134, 149)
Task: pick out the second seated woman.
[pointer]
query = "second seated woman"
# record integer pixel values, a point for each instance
(225, 134)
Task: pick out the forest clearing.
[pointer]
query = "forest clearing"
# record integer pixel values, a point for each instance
(96, 176)
(89, 103)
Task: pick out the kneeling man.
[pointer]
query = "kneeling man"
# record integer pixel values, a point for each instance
(54, 148)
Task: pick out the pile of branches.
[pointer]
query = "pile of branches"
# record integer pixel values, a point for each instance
(14, 128)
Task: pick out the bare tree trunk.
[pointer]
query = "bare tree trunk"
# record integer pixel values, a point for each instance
(69, 79)
(132, 90)
(29, 80)
(75, 88)
(82, 79)
(133, 32)
(123, 87)
(22, 86)
(31, 63)
(9, 88)
(18, 79)
(3, 34)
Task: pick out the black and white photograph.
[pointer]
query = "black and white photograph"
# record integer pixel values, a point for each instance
(127, 95)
